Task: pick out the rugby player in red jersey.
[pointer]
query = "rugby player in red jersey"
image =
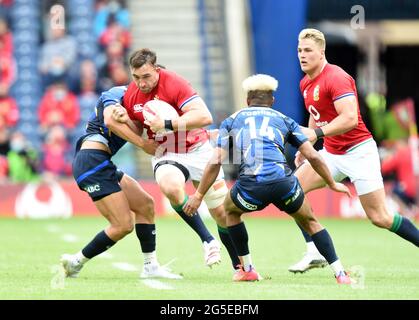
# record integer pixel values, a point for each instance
(186, 149)
(330, 96)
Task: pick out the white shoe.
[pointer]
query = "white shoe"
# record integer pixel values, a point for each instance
(71, 265)
(309, 261)
(212, 254)
(155, 270)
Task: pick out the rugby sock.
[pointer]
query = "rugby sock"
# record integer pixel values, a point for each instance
(99, 244)
(81, 258)
(150, 257)
(324, 244)
(337, 267)
(405, 229)
(146, 233)
(240, 238)
(195, 222)
(311, 247)
(247, 262)
(226, 240)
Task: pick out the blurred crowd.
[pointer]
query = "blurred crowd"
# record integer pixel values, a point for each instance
(71, 84)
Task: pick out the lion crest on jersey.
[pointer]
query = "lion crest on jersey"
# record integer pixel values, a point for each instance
(316, 93)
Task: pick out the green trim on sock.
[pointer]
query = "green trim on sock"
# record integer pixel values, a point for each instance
(179, 208)
(222, 230)
(397, 221)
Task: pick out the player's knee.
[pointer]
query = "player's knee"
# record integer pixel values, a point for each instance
(310, 225)
(219, 215)
(149, 208)
(381, 220)
(215, 196)
(123, 229)
(173, 191)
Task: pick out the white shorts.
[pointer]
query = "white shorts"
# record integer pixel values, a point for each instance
(194, 161)
(361, 164)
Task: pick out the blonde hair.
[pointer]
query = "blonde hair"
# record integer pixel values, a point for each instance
(315, 35)
(260, 82)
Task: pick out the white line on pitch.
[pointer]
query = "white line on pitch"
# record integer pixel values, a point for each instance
(125, 266)
(156, 284)
(68, 237)
(53, 228)
(105, 255)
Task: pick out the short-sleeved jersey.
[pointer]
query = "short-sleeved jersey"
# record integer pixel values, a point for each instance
(96, 123)
(177, 92)
(258, 136)
(320, 93)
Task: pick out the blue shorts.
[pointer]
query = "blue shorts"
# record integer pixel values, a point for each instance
(96, 174)
(286, 194)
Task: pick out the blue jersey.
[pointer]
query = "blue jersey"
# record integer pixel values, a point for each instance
(259, 135)
(96, 123)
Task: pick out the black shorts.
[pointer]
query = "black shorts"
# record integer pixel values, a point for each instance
(286, 194)
(96, 174)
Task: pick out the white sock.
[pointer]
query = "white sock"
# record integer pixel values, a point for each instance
(81, 258)
(247, 262)
(337, 267)
(311, 248)
(150, 257)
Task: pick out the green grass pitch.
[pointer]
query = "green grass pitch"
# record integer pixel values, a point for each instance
(30, 251)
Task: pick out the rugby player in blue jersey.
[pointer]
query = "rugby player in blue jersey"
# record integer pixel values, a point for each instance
(259, 135)
(117, 196)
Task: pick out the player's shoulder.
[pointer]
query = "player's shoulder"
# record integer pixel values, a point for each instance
(112, 95)
(170, 76)
(333, 71)
(118, 90)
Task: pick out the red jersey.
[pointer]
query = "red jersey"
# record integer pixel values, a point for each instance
(332, 84)
(177, 92)
(401, 163)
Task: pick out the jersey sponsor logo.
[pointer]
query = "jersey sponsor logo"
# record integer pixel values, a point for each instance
(246, 204)
(92, 188)
(313, 111)
(316, 93)
(138, 108)
(305, 94)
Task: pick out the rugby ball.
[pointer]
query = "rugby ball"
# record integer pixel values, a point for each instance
(159, 108)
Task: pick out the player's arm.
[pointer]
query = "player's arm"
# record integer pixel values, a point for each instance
(321, 168)
(127, 130)
(347, 119)
(195, 115)
(209, 176)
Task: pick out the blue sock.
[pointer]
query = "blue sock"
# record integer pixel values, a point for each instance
(405, 229)
(195, 222)
(324, 244)
(228, 243)
(306, 236)
(99, 244)
(240, 238)
(146, 233)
